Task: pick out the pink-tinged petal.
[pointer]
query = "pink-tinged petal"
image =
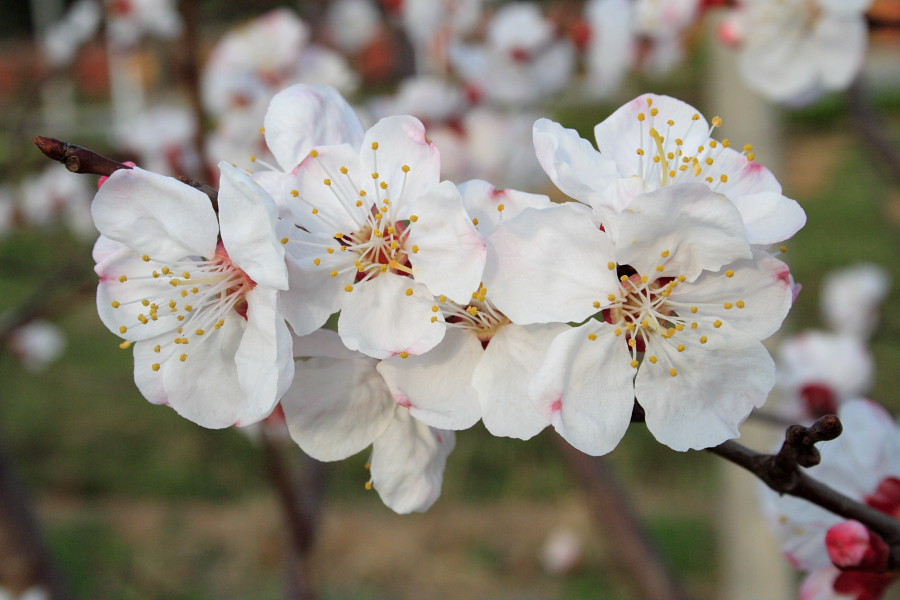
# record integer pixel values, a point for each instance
(819, 585)
(622, 133)
(408, 462)
(572, 163)
(381, 318)
(685, 227)
(769, 217)
(326, 197)
(841, 363)
(394, 143)
(716, 386)
(436, 386)
(313, 294)
(247, 216)
(203, 388)
(488, 206)
(584, 387)
(549, 265)
(753, 296)
(119, 302)
(307, 115)
(264, 362)
(156, 215)
(323, 343)
(337, 407)
(451, 252)
(503, 376)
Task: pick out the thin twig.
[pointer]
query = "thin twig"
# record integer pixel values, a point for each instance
(635, 552)
(782, 473)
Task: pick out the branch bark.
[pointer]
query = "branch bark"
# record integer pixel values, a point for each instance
(635, 552)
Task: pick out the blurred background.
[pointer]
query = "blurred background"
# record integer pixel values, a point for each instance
(132, 501)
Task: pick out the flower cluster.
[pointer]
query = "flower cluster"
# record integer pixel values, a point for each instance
(454, 303)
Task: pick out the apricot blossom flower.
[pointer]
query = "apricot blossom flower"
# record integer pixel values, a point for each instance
(200, 312)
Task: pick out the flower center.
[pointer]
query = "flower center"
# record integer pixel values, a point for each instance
(479, 316)
(197, 298)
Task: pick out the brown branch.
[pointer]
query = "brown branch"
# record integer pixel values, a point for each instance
(301, 505)
(634, 550)
(84, 161)
(874, 129)
(782, 473)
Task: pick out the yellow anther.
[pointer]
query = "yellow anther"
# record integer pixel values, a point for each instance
(157, 348)
(413, 218)
(123, 329)
(404, 355)
(670, 331)
(172, 304)
(783, 249)
(155, 366)
(679, 327)
(728, 305)
(317, 261)
(611, 297)
(644, 279)
(125, 345)
(326, 181)
(183, 357)
(681, 278)
(369, 486)
(703, 339)
(262, 130)
(405, 168)
(415, 249)
(434, 308)
(375, 175)
(695, 325)
(374, 145)
(314, 153)
(116, 304)
(252, 158)
(597, 304)
(220, 323)
(363, 193)
(166, 271)
(188, 307)
(592, 336)
(611, 266)
(285, 240)
(695, 117)
(654, 112)
(334, 273)
(434, 319)
(295, 193)
(741, 304)
(726, 143)
(652, 358)
(632, 342)
(123, 278)
(751, 156)
(184, 293)
(748, 148)
(642, 117)
(640, 151)
(717, 324)
(623, 278)
(634, 364)
(645, 323)
(681, 347)
(384, 185)
(501, 207)
(143, 319)
(717, 121)
(200, 332)
(660, 268)
(723, 178)
(344, 170)
(673, 372)
(665, 254)
(475, 222)
(409, 291)
(709, 180)
(709, 160)
(649, 101)
(472, 310)
(348, 288)
(155, 274)
(618, 332)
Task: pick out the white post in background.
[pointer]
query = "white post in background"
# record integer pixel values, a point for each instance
(59, 111)
(752, 565)
(126, 87)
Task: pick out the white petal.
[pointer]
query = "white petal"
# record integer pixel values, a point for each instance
(408, 462)
(401, 141)
(155, 215)
(436, 386)
(204, 388)
(584, 388)
(573, 164)
(337, 407)
(307, 115)
(265, 364)
(851, 298)
(716, 386)
(247, 216)
(380, 319)
(323, 343)
(326, 197)
(489, 206)
(451, 255)
(503, 376)
(549, 265)
(841, 362)
(684, 227)
(762, 286)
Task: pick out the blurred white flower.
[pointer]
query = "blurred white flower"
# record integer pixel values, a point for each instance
(351, 25)
(129, 20)
(851, 298)
(562, 552)
(37, 344)
(63, 39)
(53, 196)
(163, 138)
